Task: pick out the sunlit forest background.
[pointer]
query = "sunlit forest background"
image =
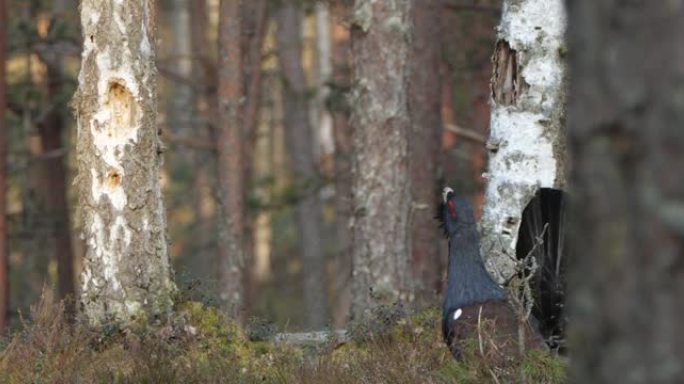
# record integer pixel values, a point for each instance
(43, 58)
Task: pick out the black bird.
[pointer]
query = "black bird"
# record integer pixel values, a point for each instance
(472, 297)
(541, 235)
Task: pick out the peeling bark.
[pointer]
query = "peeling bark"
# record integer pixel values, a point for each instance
(126, 272)
(381, 201)
(527, 143)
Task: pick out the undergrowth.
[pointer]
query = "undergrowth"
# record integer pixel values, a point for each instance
(201, 346)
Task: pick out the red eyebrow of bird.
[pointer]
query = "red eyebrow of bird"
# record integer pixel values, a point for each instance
(452, 208)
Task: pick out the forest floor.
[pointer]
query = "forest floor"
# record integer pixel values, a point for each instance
(202, 346)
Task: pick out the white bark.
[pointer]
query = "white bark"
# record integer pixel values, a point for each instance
(126, 271)
(527, 142)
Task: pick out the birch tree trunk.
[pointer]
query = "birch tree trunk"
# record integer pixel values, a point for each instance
(126, 272)
(230, 158)
(626, 116)
(4, 262)
(300, 144)
(381, 48)
(527, 141)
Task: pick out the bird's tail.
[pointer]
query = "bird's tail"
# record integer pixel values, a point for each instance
(542, 234)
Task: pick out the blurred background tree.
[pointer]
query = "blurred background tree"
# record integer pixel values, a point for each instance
(295, 229)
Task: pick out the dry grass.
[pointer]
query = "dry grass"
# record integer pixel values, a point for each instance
(201, 346)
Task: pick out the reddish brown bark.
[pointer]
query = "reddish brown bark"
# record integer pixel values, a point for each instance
(4, 284)
(426, 121)
(231, 157)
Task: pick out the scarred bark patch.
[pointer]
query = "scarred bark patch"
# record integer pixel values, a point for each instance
(506, 81)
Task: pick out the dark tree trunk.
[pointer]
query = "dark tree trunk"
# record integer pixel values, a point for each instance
(253, 33)
(51, 131)
(626, 117)
(381, 48)
(230, 158)
(4, 283)
(425, 96)
(339, 108)
(300, 145)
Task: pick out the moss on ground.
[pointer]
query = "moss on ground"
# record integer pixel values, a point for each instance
(200, 345)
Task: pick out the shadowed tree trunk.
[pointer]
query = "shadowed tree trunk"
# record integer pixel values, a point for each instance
(51, 130)
(4, 282)
(425, 96)
(625, 128)
(300, 145)
(339, 108)
(253, 33)
(231, 158)
(204, 74)
(126, 271)
(380, 42)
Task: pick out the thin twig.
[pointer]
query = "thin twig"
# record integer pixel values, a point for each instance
(466, 133)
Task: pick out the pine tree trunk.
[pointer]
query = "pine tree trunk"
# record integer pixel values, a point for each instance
(527, 140)
(626, 116)
(4, 262)
(300, 145)
(126, 272)
(380, 41)
(231, 158)
(339, 108)
(56, 209)
(425, 96)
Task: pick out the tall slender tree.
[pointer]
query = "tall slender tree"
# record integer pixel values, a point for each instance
(425, 96)
(300, 144)
(381, 48)
(126, 271)
(625, 119)
(339, 109)
(231, 157)
(4, 282)
(51, 130)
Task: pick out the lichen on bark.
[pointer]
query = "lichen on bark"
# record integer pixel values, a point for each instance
(126, 273)
(381, 36)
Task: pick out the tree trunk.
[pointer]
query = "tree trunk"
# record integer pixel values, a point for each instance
(4, 262)
(425, 96)
(625, 131)
(204, 183)
(230, 158)
(381, 201)
(126, 268)
(339, 108)
(527, 141)
(298, 138)
(55, 206)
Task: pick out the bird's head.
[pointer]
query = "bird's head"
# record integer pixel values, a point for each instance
(455, 212)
